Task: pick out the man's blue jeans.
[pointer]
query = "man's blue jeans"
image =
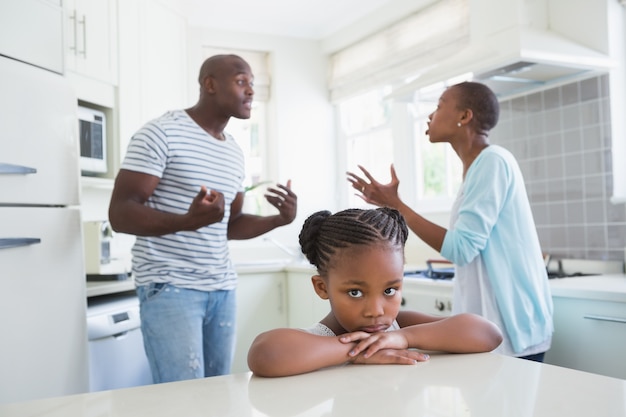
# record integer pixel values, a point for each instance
(187, 333)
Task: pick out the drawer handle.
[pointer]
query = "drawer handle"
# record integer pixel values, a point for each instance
(605, 318)
(16, 242)
(8, 169)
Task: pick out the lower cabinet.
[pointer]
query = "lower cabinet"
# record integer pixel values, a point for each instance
(589, 335)
(261, 306)
(427, 296)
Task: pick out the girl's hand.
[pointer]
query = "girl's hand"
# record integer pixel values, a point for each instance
(370, 343)
(392, 357)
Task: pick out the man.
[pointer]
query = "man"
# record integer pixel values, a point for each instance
(180, 191)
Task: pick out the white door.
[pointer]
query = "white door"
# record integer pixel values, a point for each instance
(42, 304)
(39, 153)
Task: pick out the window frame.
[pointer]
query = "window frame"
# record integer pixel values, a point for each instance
(402, 121)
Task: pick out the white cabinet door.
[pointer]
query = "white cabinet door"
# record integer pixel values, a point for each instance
(43, 352)
(32, 31)
(91, 39)
(427, 297)
(39, 143)
(153, 75)
(589, 335)
(305, 307)
(261, 306)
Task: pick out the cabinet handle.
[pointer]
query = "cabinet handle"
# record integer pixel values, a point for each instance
(605, 318)
(83, 22)
(74, 24)
(17, 242)
(9, 169)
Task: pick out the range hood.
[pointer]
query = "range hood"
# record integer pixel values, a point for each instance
(516, 46)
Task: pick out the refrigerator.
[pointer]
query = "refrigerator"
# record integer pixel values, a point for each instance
(43, 342)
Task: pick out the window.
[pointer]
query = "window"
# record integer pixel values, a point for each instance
(251, 134)
(365, 129)
(372, 136)
(438, 168)
(376, 130)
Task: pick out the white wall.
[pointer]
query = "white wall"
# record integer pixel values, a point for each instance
(301, 131)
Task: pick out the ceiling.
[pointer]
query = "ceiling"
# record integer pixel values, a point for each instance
(308, 19)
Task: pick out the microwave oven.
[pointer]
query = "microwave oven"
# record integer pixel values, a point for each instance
(93, 141)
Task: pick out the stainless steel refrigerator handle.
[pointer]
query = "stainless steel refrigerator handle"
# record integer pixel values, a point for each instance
(16, 242)
(9, 169)
(605, 318)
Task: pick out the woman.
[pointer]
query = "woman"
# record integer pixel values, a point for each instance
(492, 240)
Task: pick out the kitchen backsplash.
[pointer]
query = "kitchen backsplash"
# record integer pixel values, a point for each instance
(562, 140)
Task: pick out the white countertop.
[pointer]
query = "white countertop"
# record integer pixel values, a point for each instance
(483, 385)
(609, 287)
(600, 287)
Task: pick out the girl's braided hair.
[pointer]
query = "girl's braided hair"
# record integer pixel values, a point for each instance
(323, 233)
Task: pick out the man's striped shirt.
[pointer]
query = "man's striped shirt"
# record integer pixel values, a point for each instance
(184, 156)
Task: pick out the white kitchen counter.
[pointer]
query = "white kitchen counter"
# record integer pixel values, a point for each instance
(601, 287)
(609, 287)
(485, 385)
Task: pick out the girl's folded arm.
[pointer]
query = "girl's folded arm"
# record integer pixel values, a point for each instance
(461, 333)
(283, 352)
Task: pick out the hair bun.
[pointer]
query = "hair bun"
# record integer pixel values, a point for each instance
(309, 234)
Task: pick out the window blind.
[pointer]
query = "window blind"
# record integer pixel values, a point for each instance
(402, 51)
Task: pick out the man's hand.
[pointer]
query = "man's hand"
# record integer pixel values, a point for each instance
(285, 200)
(206, 208)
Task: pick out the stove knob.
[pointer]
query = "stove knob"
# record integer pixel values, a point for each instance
(439, 305)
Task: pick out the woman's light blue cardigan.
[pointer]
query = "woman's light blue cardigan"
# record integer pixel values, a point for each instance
(495, 221)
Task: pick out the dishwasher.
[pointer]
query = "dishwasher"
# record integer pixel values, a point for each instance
(116, 355)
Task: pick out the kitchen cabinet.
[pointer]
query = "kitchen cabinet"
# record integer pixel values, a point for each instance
(261, 306)
(305, 307)
(427, 296)
(153, 74)
(589, 335)
(91, 39)
(32, 31)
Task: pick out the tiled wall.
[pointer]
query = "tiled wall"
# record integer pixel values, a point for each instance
(561, 138)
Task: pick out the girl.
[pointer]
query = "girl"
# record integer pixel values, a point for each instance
(500, 272)
(359, 256)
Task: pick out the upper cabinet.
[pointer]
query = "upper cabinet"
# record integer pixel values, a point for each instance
(91, 39)
(32, 31)
(153, 74)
